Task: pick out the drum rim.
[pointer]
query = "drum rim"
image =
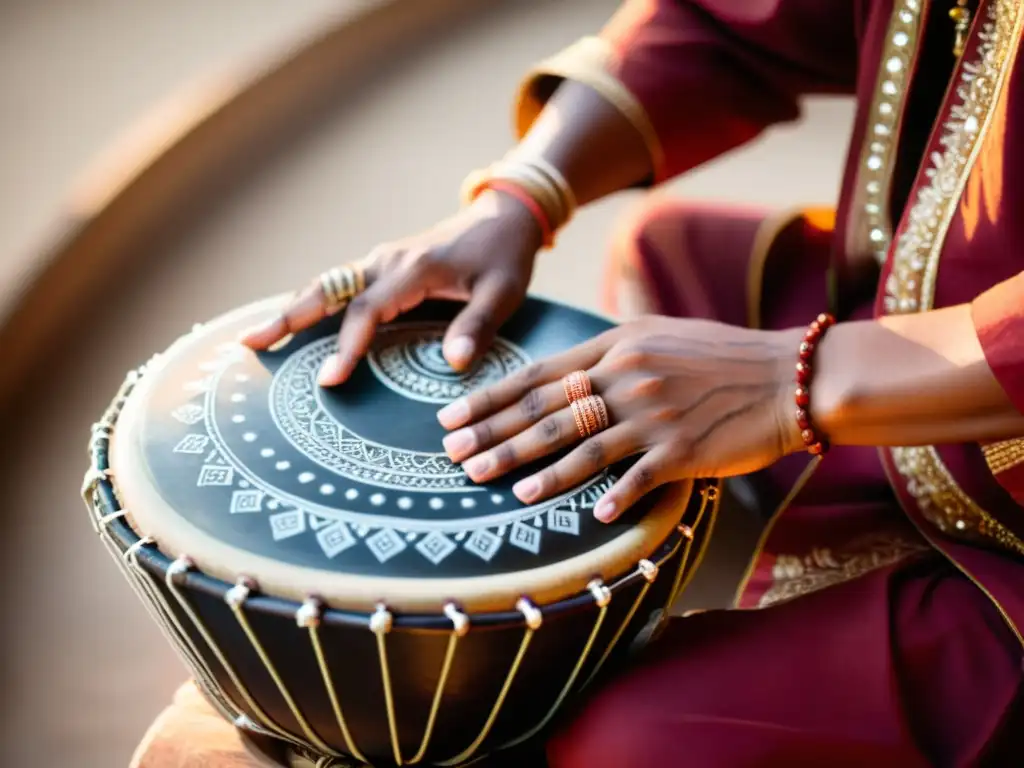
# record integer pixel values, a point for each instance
(110, 520)
(177, 537)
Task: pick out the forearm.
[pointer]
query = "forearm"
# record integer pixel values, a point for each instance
(595, 147)
(918, 379)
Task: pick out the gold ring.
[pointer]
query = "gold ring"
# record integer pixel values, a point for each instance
(576, 386)
(591, 415)
(341, 284)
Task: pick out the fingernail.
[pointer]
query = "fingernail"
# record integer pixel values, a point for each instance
(454, 415)
(604, 510)
(459, 351)
(330, 371)
(526, 490)
(458, 444)
(478, 466)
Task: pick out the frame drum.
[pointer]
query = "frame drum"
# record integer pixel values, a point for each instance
(333, 582)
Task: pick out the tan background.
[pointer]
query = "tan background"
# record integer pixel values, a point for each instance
(84, 671)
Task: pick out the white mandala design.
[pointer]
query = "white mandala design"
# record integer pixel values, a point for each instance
(304, 422)
(408, 358)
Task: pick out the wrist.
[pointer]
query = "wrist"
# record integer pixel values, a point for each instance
(514, 217)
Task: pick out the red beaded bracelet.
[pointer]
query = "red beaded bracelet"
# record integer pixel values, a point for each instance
(816, 445)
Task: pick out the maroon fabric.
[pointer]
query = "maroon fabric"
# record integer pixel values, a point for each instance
(713, 74)
(907, 666)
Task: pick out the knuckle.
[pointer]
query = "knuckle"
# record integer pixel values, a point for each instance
(504, 456)
(483, 434)
(550, 429)
(531, 405)
(642, 479)
(647, 386)
(666, 414)
(594, 452)
(531, 374)
(427, 258)
(630, 357)
(360, 305)
(548, 479)
(472, 324)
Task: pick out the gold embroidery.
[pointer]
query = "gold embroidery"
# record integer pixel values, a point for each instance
(1004, 455)
(943, 502)
(796, 575)
(911, 284)
(872, 232)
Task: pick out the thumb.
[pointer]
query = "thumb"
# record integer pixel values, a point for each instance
(492, 302)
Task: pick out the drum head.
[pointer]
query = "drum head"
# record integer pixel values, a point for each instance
(240, 461)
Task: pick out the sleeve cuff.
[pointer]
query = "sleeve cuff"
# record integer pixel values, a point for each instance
(998, 316)
(589, 61)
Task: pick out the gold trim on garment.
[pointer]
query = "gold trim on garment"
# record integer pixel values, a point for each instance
(1005, 455)
(915, 260)
(591, 61)
(872, 230)
(796, 575)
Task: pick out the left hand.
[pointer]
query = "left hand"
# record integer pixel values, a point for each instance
(698, 398)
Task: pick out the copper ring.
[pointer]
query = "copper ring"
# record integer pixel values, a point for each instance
(576, 386)
(341, 284)
(591, 415)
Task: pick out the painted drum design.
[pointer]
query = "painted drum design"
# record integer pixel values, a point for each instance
(333, 581)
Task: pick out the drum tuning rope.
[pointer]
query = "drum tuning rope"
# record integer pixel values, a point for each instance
(381, 622)
(534, 619)
(236, 598)
(308, 616)
(602, 598)
(460, 628)
(263, 719)
(709, 500)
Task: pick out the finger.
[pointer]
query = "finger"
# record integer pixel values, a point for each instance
(485, 402)
(585, 461)
(491, 303)
(302, 311)
(533, 406)
(653, 469)
(551, 433)
(384, 300)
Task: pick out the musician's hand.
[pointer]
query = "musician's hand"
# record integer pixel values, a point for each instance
(483, 255)
(699, 399)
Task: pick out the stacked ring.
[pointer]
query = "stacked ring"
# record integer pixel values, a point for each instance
(341, 284)
(576, 386)
(591, 415)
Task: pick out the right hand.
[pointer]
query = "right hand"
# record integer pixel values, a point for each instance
(483, 255)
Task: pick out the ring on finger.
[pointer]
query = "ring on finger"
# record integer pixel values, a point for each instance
(591, 415)
(341, 284)
(577, 386)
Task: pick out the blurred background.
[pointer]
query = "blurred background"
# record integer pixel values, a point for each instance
(163, 162)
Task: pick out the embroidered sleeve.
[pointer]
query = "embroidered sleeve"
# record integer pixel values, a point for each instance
(700, 78)
(999, 321)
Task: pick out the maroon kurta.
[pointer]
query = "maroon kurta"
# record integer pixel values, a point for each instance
(909, 551)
